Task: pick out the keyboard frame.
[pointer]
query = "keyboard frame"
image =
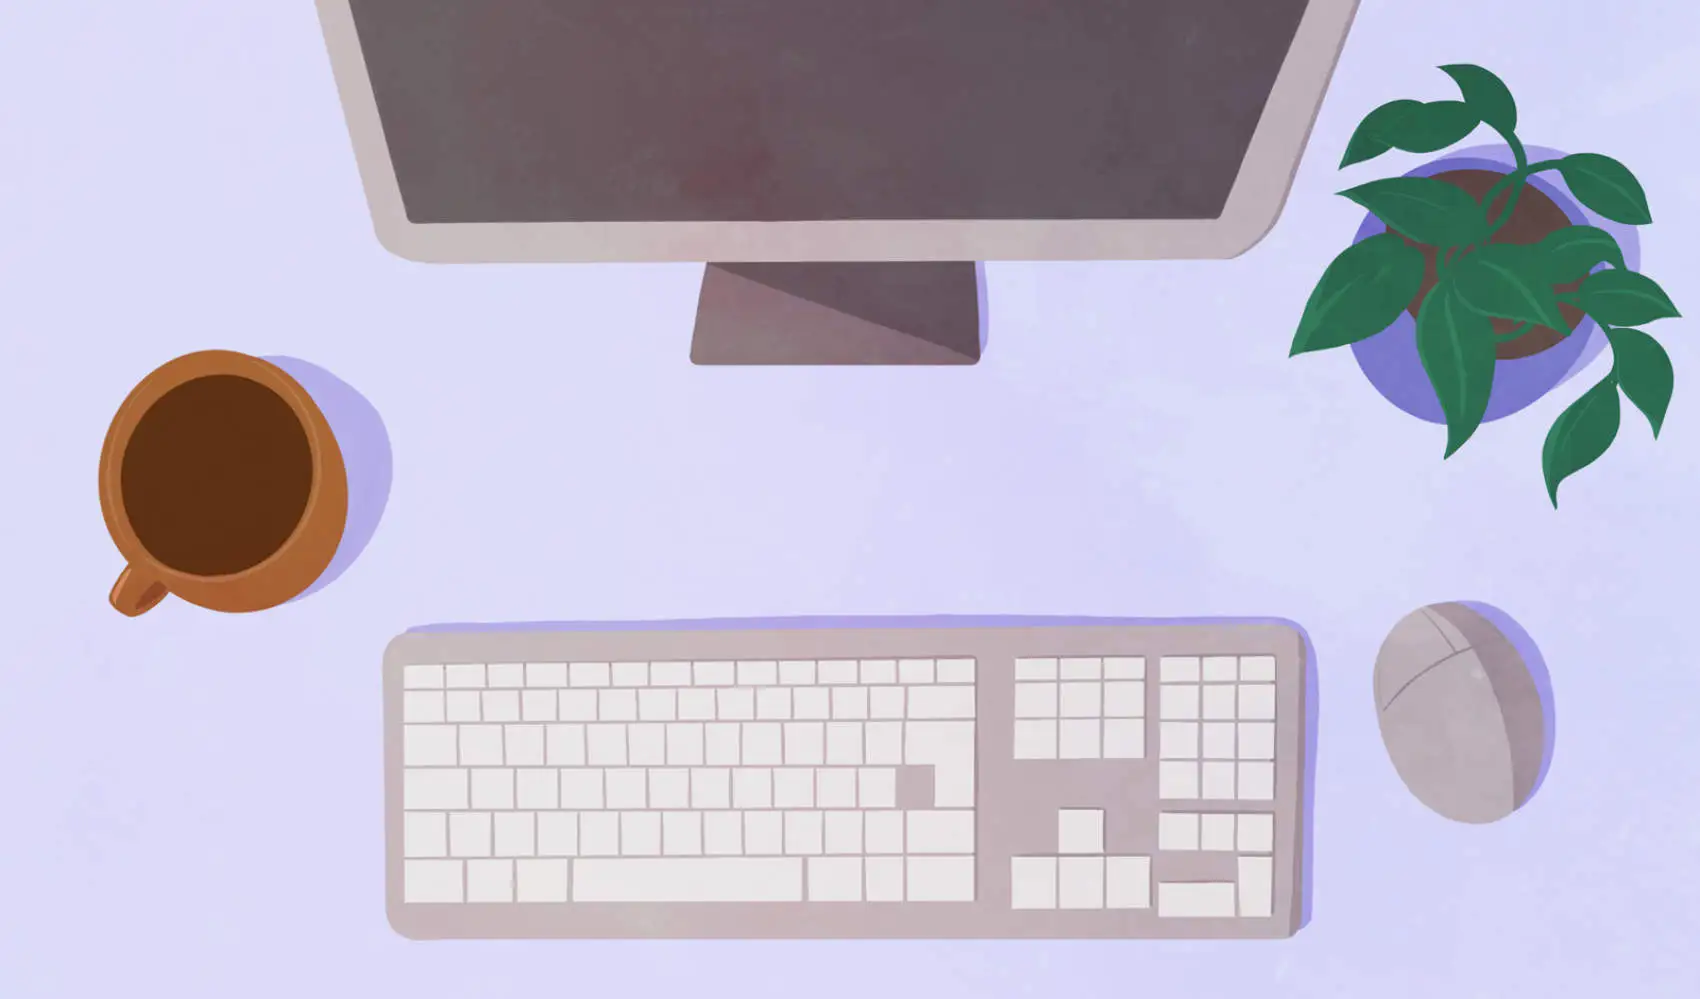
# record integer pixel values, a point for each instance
(1007, 796)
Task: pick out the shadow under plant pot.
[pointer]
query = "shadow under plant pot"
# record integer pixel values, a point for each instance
(1530, 365)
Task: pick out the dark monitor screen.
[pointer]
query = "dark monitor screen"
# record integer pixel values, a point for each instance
(795, 110)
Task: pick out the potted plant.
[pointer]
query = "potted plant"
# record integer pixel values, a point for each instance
(1480, 282)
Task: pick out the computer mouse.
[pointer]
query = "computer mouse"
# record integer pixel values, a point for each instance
(1465, 707)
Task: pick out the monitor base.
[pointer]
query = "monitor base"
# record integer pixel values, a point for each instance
(840, 314)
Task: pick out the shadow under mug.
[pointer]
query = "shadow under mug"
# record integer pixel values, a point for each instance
(195, 454)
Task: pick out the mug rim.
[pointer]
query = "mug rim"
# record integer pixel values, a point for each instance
(308, 550)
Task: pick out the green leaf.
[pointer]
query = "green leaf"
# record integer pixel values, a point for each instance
(1429, 211)
(1456, 346)
(1625, 298)
(1575, 250)
(1486, 94)
(1361, 293)
(1508, 281)
(1367, 140)
(1581, 434)
(1607, 187)
(1644, 373)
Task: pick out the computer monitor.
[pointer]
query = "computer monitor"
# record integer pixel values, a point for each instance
(842, 166)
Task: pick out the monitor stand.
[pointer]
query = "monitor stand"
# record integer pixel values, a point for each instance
(840, 313)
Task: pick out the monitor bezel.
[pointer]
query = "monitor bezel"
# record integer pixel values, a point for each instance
(1255, 203)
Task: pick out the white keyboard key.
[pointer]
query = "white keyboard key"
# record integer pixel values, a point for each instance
(1080, 882)
(688, 879)
(941, 832)
(481, 745)
(1257, 669)
(1124, 699)
(588, 674)
(714, 674)
(489, 881)
(1127, 883)
(720, 744)
(843, 743)
(1035, 740)
(803, 833)
(1218, 702)
(723, 833)
(1257, 781)
(599, 834)
(835, 671)
(658, 704)
(626, 788)
(1080, 830)
(835, 879)
(505, 675)
(883, 879)
(879, 671)
(1216, 832)
(1035, 700)
(1256, 833)
(563, 745)
(581, 789)
(557, 834)
(469, 834)
(537, 790)
(542, 880)
(1179, 669)
(915, 671)
(1079, 739)
(1177, 780)
(956, 671)
(422, 706)
(432, 881)
(1081, 700)
(1219, 669)
(1216, 740)
(949, 747)
(429, 746)
(711, 787)
(578, 705)
(463, 675)
(616, 704)
(850, 702)
(1124, 739)
(1178, 702)
(515, 834)
(1177, 740)
(1177, 831)
(1078, 668)
(670, 788)
(1257, 702)
(1035, 669)
(681, 834)
(876, 788)
(885, 702)
(814, 703)
(883, 831)
(422, 677)
(1033, 882)
(835, 788)
(684, 744)
(605, 745)
(941, 702)
(1216, 781)
(752, 787)
(794, 787)
(523, 745)
(670, 674)
(630, 674)
(425, 834)
(763, 744)
(773, 703)
(501, 705)
(545, 674)
(1124, 668)
(761, 673)
(539, 705)
(1256, 741)
(696, 705)
(646, 745)
(764, 833)
(940, 879)
(843, 832)
(640, 834)
(804, 744)
(463, 706)
(735, 703)
(882, 742)
(492, 789)
(1195, 899)
(797, 672)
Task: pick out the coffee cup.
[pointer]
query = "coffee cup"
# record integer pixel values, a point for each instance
(222, 482)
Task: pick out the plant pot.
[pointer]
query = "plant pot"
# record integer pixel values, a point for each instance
(1389, 359)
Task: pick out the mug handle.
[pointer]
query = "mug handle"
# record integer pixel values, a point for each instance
(136, 593)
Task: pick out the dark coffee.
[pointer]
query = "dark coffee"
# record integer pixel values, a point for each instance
(216, 475)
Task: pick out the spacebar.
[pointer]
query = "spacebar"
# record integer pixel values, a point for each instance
(688, 879)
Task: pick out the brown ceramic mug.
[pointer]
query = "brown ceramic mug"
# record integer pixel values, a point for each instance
(221, 482)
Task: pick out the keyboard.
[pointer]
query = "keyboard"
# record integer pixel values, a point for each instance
(822, 778)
